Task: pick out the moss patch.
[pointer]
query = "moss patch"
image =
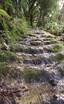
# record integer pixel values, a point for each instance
(50, 35)
(31, 74)
(55, 48)
(35, 43)
(58, 57)
(3, 70)
(6, 56)
(50, 42)
(16, 48)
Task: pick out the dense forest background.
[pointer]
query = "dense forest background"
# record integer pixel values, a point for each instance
(17, 15)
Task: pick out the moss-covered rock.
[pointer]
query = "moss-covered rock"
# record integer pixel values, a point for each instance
(48, 35)
(50, 42)
(36, 43)
(16, 48)
(58, 57)
(31, 74)
(55, 48)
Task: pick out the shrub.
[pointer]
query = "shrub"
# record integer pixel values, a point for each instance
(13, 29)
(24, 26)
(18, 29)
(54, 27)
(21, 25)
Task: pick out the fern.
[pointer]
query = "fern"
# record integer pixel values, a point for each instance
(4, 13)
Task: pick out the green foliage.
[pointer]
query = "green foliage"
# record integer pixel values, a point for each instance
(24, 26)
(4, 25)
(31, 74)
(4, 17)
(4, 13)
(8, 4)
(6, 56)
(54, 27)
(17, 27)
(13, 28)
(46, 9)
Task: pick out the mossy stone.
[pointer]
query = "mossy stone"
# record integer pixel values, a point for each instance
(16, 48)
(31, 74)
(55, 48)
(58, 57)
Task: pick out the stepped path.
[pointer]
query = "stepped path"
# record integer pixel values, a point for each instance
(42, 52)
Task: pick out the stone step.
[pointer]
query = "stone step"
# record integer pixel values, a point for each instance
(33, 51)
(36, 43)
(38, 61)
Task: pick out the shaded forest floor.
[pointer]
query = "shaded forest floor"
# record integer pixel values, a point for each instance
(34, 68)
